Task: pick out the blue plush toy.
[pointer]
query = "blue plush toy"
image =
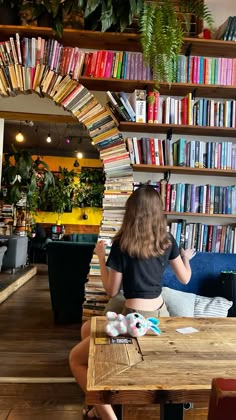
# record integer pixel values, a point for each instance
(133, 324)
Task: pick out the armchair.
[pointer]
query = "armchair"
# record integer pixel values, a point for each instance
(68, 267)
(16, 253)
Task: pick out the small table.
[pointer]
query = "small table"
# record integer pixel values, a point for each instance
(170, 369)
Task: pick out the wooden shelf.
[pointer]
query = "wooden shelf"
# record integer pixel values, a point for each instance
(118, 41)
(78, 38)
(176, 89)
(177, 129)
(184, 170)
(175, 213)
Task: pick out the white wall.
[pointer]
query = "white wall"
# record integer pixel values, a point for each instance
(221, 9)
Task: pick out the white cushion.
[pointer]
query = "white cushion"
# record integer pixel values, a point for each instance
(211, 307)
(179, 303)
(191, 305)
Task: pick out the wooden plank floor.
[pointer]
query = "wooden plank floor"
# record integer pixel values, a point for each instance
(35, 379)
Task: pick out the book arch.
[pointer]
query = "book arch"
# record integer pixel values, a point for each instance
(32, 69)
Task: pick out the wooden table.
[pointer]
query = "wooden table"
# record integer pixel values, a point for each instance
(170, 369)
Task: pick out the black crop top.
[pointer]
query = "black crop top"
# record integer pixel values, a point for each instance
(141, 277)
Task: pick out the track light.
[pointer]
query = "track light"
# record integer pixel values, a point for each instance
(19, 137)
(48, 140)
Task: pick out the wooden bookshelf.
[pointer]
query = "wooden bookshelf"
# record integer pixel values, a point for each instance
(175, 213)
(184, 170)
(176, 89)
(118, 41)
(177, 129)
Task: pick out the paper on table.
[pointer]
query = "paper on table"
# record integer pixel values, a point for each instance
(187, 330)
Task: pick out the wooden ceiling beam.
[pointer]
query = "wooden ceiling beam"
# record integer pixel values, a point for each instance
(26, 116)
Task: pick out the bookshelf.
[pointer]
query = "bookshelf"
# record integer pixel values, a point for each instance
(177, 129)
(184, 170)
(110, 143)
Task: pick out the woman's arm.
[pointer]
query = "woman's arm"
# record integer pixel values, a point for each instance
(111, 279)
(181, 266)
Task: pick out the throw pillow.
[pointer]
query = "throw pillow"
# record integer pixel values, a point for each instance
(179, 303)
(211, 307)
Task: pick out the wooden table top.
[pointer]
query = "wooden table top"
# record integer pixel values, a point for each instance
(155, 369)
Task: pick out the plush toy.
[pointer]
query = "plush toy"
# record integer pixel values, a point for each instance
(132, 324)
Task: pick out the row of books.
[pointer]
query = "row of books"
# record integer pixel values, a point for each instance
(191, 154)
(142, 106)
(30, 52)
(203, 237)
(116, 64)
(95, 296)
(192, 198)
(201, 112)
(25, 63)
(205, 70)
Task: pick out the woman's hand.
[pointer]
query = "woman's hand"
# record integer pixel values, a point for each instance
(100, 249)
(188, 253)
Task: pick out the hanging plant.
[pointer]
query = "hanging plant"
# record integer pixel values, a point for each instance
(90, 188)
(25, 177)
(60, 197)
(162, 33)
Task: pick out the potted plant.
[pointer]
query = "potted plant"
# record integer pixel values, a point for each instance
(90, 189)
(51, 13)
(114, 15)
(110, 15)
(25, 178)
(60, 197)
(162, 32)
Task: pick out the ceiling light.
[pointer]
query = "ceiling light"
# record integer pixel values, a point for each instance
(20, 137)
(48, 140)
(79, 155)
(68, 140)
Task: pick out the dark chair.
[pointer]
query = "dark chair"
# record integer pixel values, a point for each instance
(222, 404)
(68, 267)
(38, 245)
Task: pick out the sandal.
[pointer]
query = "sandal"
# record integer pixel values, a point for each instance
(90, 413)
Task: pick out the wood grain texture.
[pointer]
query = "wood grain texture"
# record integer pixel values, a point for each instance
(174, 367)
(27, 327)
(31, 345)
(152, 412)
(11, 283)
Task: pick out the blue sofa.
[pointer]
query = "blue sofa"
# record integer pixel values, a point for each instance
(205, 280)
(206, 270)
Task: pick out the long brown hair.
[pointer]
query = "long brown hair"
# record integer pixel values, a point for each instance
(143, 232)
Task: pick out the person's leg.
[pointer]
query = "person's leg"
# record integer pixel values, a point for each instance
(78, 361)
(85, 329)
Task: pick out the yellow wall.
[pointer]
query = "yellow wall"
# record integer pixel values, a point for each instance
(67, 162)
(74, 218)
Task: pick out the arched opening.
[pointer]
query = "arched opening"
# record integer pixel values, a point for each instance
(86, 108)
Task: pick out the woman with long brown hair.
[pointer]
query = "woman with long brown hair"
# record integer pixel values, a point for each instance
(140, 252)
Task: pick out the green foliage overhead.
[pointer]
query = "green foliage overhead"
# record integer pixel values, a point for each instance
(161, 33)
(110, 15)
